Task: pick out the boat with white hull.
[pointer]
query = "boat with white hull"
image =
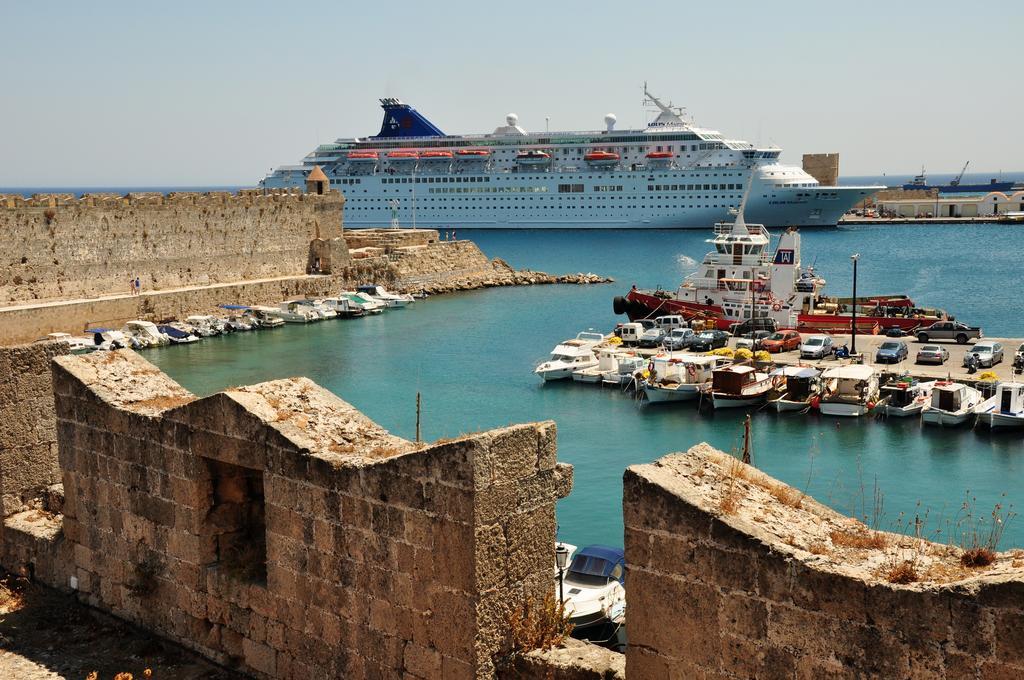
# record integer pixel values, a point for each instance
(848, 391)
(740, 385)
(680, 376)
(952, 404)
(608, 359)
(1008, 411)
(799, 385)
(905, 398)
(570, 355)
(670, 174)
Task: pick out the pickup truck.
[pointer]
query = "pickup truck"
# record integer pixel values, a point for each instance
(949, 330)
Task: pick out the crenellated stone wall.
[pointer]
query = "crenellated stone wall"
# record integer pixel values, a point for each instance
(276, 530)
(733, 574)
(59, 247)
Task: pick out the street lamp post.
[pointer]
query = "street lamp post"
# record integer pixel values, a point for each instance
(853, 328)
(561, 557)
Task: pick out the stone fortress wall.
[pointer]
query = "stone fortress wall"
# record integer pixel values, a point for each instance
(59, 247)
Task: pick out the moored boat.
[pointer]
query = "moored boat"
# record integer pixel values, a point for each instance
(593, 586)
(952, 404)
(680, 376)
(740, 385)
(1008, 410)
(76, 345)
(381, 294)
(798, 386)
(904, 397)
(848, 391)
(607, 363)
(569, 356)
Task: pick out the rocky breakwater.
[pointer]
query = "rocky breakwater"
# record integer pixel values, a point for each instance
(453, 266)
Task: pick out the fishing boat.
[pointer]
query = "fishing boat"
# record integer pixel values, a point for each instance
(742, 278)
(569, 356)
(905, 397)
(627, 370)
(594, 587)
(848, 391)
(607, 363)
(1008, 411)
(680, 376)
(952, 404)
(740, 385)
(798, 386)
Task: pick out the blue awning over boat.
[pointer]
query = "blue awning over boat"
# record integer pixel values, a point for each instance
(235, 307)
(98, 330)
(598, 560)
(173, 332)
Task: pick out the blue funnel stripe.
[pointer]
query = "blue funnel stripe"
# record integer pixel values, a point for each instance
(401, 120)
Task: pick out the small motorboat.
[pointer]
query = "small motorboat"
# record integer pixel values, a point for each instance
(952, 404)
(323, 310)
(594, 587)
(76, 345)
(344, 307)
(630, 366)
(607, 362)
(601, 159)
(267, 317)
(848, 391)
(1008, 410)
(798, 386)
(176, 335)
(146, 333)
(740, 385)
(680, 376)
(107, 338)
(905, 397)
(382, 294)
(205, 325)
(570, 356)
(368, 304)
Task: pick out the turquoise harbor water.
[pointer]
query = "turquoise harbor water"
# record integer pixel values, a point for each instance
(472, 354)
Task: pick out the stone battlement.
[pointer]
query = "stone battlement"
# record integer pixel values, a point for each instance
(210, 198)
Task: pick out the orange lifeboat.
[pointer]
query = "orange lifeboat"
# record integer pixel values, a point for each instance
(436, 154)
(469, 154)
(362, 155)
(403, 155)
(660, 155)
(601, 158)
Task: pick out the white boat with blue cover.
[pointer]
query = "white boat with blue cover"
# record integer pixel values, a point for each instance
(672, 173)
(1008, 408)
(594, 587)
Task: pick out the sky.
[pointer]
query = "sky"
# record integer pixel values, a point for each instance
(216, 93)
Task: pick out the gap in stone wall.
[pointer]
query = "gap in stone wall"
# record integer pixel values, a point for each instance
(236, 523)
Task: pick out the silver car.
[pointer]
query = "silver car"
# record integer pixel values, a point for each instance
(679, 338)
(932, 354)
(816, 347)
(987, 354)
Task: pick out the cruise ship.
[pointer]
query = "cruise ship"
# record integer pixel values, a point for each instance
(671, 174)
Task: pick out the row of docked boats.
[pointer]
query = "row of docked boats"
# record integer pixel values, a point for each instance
(140, 334)
(848, 390)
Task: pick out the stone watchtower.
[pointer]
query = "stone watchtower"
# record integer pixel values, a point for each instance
(317, 182)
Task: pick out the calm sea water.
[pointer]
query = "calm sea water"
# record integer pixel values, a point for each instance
(472, 354)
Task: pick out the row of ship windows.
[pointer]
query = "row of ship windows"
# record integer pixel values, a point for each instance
(522, 190)
(473, 179)
(551, 207)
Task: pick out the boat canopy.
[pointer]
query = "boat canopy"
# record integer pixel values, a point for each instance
(796, 371)
(98, 330)
(851, 372)
(600, 560)
(236, 307)
(173, 332)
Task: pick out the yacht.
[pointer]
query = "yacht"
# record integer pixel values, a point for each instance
(387, 297)
(570, 356)
(680, 376)
(905, 397)
(1008, 410)
(594, 587)
(952, 404)
(368, 304)
(798, 388)
(848, 391)
(147, 333)
(672, 173)
(740, 385)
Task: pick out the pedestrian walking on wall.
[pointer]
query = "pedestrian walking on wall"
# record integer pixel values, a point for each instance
(138, 285)
(131, 285)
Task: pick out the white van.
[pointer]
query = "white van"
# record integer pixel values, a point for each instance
(630, 333)
(670, 322)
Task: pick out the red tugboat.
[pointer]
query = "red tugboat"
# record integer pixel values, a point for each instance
(742, 279)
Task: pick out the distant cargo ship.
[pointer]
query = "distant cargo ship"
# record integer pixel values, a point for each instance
(671, 174)
(956, 186)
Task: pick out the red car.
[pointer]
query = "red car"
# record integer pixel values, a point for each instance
(781, 341)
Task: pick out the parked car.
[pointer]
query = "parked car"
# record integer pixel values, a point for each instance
(679, 338)
(629, 332)
(781, 341)
(670, 322)
(652, 337)
(932, 354)
(891, 352)
(949, 330)
(895, 332)
(743, 329)
(816, 347)
(752, 341)
(987, 354)
(709, 340)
